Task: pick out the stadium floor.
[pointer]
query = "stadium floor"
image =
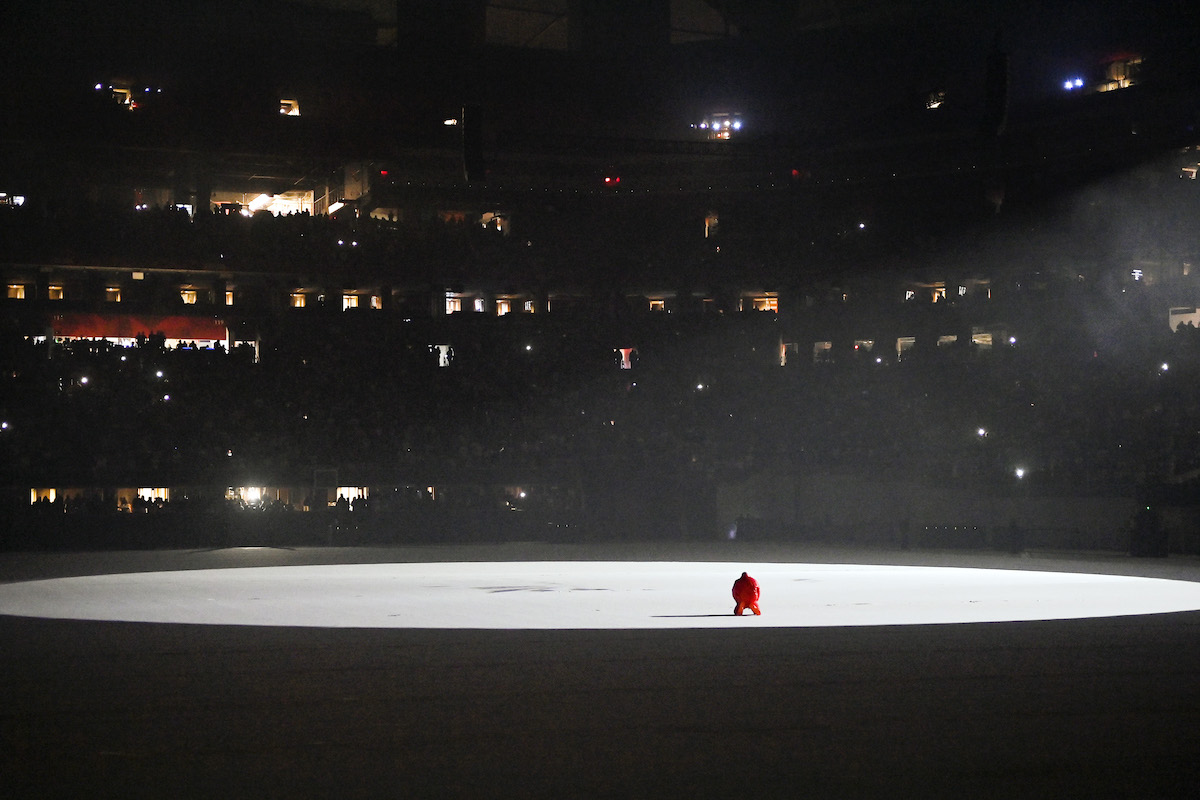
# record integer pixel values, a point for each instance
(1092, 707)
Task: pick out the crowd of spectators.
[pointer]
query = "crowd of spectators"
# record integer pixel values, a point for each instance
(694, 411)
(1091, 397)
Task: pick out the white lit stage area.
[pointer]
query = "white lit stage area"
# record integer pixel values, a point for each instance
(590, 595)
(605, 670)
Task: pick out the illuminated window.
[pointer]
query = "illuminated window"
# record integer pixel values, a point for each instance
(822, 352)
(946, 340)
(376, 301)
(1120, 74)
(1186, 315)
(1137, 274)
(904, 344)
(658, 305)
(962, 291)
(54, 292)
(529, 307)
(36, 495)
(152, 494)
(503, 307)
(250, 495)
(229, 298)
(349, 301)
(765, 303)
(16, 291)
(939, 293)
(445, 354)
(298, 299)
(453, 305)
(981, 338)
(480, 305)
(910, 294)
(787, 349)
(711, 223)
(289, 107)
(864, 345)
(189, 296)
(112, 294)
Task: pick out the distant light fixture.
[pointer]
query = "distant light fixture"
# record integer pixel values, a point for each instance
(1165, 366)
(449, 123)
(1019, 472)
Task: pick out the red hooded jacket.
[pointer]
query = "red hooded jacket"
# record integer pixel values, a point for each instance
(745, 590)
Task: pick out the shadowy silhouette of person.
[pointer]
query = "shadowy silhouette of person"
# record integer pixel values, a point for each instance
(746, 592)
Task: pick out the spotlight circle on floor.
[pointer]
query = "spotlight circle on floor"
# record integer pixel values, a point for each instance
(590, 595)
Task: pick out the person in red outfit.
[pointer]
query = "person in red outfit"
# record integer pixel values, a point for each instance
(746, 593)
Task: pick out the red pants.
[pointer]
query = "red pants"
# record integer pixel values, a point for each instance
(742, 606)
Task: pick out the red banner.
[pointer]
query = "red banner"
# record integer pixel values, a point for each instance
(128, 326)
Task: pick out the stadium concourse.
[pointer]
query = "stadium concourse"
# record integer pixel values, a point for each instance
(535, 670)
